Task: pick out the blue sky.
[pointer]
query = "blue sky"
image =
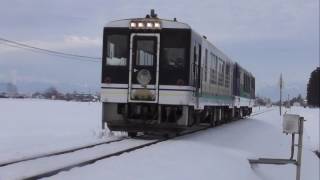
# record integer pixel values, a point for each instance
(266, 37)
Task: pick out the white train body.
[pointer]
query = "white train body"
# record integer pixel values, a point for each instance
(160, 75)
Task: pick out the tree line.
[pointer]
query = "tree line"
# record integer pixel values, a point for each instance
(313, 90)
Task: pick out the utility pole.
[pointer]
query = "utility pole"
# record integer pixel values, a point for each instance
(289, 103)
(281, 86)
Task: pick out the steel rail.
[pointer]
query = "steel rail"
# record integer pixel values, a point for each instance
(90, 161)
(2, 164)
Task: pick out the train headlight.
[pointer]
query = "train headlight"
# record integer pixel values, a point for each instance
(140, 25)
(149, 25)
(144, 77)
(145, 24)
(133, 24)
(157, 25)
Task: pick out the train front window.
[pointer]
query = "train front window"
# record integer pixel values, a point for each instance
(117, 50)
(173, 65)
(145, 52)
(174, 57)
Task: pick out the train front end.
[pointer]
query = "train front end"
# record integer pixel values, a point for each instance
(144, 82)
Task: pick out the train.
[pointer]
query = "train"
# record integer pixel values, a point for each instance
(161, 76)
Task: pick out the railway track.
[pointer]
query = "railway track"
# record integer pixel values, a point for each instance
(261, 112)
(47, 165)
(69, 150)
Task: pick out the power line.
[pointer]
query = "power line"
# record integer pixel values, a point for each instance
(42, 49)
(16, 44)
(50, 54)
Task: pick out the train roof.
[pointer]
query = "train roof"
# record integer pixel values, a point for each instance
(221, 54)
(165, 23)
(170, 24)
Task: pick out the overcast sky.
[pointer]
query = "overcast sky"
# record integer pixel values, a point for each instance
(266, 37)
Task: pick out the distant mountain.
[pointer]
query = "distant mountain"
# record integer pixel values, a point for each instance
(293, 89)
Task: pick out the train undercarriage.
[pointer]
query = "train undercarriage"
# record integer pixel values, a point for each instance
(165, 119)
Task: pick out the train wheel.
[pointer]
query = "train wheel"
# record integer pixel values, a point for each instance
(132, 134)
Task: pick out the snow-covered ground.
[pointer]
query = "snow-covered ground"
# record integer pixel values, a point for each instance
(32, 126)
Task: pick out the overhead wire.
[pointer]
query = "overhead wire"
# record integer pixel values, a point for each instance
(35, 49)
(56, 55)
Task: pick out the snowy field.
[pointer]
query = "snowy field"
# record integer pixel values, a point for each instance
(30, 126)
(36, 126)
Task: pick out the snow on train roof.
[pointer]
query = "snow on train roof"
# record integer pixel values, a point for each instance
(164, 23)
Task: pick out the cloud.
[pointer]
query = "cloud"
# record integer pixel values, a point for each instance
(267, 37)
(256, 20)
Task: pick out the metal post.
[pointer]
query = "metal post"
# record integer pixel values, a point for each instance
(281, 86)
(292, 146)
(280, 101)
(299, 148)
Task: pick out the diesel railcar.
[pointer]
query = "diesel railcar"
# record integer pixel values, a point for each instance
(161, 76)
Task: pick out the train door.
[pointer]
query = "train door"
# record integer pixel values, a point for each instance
(144, 68)
(197, 72)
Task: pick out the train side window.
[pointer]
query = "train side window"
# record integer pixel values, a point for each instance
(216, 67)
(227, 69)
(220, 72)
(222, 67)
(117, 50)
(205, 65)
(227, 79)
(213, 69)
